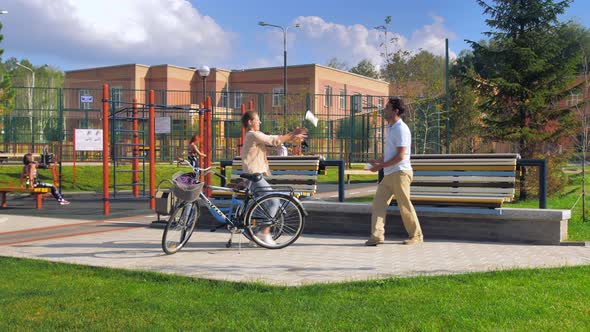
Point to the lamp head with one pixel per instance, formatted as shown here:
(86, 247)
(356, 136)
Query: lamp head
(297, 25)
(3, 11)
(262, 24)
(204, 71)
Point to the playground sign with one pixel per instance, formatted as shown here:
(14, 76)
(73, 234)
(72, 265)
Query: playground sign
(163, 125)
(85, 99)
(88, 139)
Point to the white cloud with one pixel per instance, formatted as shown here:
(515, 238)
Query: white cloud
(110, 32)
(353, 43)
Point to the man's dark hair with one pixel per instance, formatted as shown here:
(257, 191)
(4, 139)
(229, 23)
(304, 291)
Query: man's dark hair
(398, 104)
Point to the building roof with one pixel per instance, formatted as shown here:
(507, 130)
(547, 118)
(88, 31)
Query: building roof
(231, 70)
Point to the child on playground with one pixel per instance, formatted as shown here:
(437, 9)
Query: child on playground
(30, 174)
(193, 151)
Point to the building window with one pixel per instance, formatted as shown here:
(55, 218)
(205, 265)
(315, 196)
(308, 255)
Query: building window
(238, 99)
(116, 96)
(342, 99)
(277, 97)
(83, 97)
(224, 98)
(327, 96)
(369, 102)
(380, 103)
(356, 102)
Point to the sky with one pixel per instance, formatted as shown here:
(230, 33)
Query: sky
(77, 34)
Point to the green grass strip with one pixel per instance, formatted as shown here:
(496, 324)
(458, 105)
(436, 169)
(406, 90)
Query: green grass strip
(39, 295)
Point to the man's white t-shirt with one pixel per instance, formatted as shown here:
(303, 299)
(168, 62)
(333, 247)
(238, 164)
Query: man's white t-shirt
(398, 135)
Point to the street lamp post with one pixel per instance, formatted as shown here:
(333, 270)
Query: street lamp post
(204, 72)
(31, 98)
(284, 29)
(3, 133)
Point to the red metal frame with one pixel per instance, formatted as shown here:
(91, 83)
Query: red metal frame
(105, 148)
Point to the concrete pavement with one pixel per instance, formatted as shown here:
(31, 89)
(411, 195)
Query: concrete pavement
(128, 242)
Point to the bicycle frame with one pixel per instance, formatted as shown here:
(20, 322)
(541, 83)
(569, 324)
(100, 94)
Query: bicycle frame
(216, 211)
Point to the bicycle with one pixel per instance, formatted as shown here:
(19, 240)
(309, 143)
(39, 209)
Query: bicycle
(274, 208)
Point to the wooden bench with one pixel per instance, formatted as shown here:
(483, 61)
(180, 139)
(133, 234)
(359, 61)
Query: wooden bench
(38, 192)
(463, 182)
(297, 172)
(5, 156)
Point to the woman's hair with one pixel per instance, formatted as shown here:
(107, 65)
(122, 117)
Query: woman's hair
(194, 139)
(27, 158)
(249, 115)
(398, 104)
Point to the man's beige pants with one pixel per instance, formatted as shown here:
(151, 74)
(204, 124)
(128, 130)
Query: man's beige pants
(397, 184)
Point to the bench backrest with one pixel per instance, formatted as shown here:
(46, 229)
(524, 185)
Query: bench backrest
(464, 179)
(298, 172)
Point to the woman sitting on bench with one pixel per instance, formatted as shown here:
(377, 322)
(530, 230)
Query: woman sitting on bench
(30, 175)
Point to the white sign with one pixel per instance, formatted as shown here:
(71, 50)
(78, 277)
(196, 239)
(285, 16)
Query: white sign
(163, 125)
(88, 139)
(85, 99)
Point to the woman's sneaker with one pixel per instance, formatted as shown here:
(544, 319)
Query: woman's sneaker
(63, 202)
(267, 238)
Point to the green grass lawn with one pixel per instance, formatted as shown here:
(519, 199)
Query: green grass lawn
(89, 178)
(40, 295)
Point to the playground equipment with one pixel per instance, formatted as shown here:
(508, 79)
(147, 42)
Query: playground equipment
(130, 129)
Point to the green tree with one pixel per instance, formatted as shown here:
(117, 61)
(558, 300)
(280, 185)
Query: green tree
(6, 99)
(6, 92)
(419, 74)
(337, 64)
(465, 117)
(524, 68)
(365, 68)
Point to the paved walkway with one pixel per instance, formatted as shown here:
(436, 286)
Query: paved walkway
(129, 243)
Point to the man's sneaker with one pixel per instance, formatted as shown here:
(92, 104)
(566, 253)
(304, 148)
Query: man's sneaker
(414, 240)
(63, 202)
(373, 242)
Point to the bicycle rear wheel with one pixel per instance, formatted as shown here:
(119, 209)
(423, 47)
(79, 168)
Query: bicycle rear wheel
(277, 216)
(180, 227)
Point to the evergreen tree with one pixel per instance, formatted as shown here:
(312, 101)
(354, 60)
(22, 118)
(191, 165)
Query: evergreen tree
(523, 69)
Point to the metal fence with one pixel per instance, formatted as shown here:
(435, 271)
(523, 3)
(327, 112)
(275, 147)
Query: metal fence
(350, 127)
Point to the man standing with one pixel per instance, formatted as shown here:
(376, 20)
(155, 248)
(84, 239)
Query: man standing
(398, 176)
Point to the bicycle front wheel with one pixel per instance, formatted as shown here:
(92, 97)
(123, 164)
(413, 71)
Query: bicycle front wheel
(275, 221)
(180, 227)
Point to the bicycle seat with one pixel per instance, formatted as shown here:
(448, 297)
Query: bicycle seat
(254, 177)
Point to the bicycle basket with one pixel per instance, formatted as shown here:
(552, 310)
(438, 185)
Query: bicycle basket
(186, 186)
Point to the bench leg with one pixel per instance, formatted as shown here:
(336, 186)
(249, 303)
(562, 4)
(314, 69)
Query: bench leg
(39, 201)
(3, 199)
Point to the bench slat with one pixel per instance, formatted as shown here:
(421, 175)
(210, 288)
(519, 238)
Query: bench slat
(464, 161)
(283, 177)
(25, 190)
(281, 172)
(463, 179)
(487, 191)
(464, 173)
(463, 168)
(468, 156)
